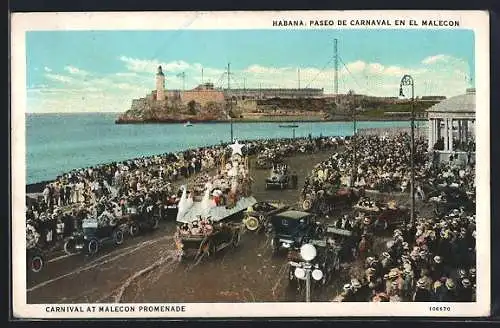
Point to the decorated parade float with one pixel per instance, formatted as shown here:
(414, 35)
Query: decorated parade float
(209, 216)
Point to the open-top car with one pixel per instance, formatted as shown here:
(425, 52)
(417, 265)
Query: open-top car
(382, 216)
(92, 236)
(206, 238)
(169, 208)
(446, 199)
(280, 177)
(142, 218)
(293, 228)
(326, 203)
(256, 216)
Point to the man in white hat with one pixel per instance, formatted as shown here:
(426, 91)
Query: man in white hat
(465, 291)
(422, 294)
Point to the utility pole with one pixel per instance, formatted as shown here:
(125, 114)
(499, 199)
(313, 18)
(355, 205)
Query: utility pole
(183, 76)
(336, 58)
(298, 74)
(407, 80)
(230, 99)
(202, 75)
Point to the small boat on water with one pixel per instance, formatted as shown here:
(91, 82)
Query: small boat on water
(188, 124)
(288, 126)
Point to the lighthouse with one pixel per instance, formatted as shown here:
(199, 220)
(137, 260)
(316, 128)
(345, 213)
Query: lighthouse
(160, 85)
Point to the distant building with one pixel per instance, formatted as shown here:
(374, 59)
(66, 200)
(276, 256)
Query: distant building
(266, 93)
(206, 92)
(452, 124)
(160, 85)
(432, 98)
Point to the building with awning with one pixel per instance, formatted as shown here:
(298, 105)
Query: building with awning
(451, 128)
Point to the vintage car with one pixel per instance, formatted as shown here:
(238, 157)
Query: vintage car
(325, 203)
(92, 236)
(280, 178)
(327, 260)
(382, 216)
(207, 240)
(445, 199)
(35, 260)
(293, 228)
(256, 217)
(170, 208)
(146, 218)
(343, 241)
(267, 161)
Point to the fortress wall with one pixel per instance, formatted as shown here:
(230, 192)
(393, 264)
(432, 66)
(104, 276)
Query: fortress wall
(202, 96)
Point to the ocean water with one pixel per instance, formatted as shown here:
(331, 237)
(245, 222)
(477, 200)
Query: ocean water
(58, 143)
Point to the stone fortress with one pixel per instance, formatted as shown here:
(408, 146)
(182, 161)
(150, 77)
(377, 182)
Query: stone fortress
(206, 92)
(206, 103)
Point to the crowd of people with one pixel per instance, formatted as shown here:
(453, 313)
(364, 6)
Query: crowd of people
(430, 261)
(139, 183)
(383, 164)
(373, 162)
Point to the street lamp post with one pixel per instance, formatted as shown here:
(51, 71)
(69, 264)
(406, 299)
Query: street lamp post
(231, 121)
(407, 80)
(304, 270)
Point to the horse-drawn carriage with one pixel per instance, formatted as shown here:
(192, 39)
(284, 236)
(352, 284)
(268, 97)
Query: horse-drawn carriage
(92, 236)
(257, 216)
(381, 216)
(325, 203)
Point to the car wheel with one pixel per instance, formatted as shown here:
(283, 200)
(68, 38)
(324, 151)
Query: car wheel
(36, 263)
(133, 230)
(70, 247)
(93, 246)
(291, 274)
(118, 237)
(252, 223)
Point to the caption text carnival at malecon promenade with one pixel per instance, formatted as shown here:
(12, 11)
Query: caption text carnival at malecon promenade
(332, 185)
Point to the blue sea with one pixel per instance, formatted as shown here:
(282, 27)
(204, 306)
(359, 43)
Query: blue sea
(58, 143)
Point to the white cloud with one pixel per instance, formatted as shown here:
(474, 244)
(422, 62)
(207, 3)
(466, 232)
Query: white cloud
(435, 59)
(47, 69)
(434, 75)
(59, 78)
(75, 70)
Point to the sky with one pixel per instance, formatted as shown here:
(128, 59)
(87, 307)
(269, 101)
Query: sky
(102, 71)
